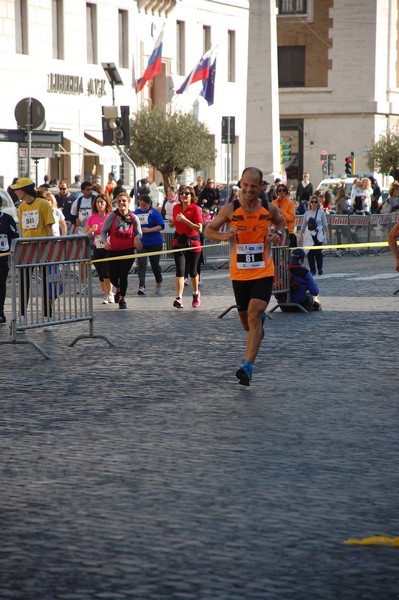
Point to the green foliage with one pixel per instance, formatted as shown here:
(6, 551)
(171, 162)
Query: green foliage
(383, 155)
(170, 142)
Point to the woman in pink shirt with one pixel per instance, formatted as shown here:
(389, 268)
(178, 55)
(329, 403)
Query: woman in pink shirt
(101, 206)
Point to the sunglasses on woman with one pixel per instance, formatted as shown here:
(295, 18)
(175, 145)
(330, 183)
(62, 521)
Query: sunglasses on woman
(184, 193)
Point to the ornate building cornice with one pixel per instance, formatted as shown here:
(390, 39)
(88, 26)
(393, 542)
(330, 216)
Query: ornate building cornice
(162, 7)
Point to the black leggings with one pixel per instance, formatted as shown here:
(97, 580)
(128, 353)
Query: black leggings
(3, 282)
(102, 268)
(119, 269)
(188, 258)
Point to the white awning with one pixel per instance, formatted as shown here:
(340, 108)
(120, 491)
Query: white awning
(107, 154)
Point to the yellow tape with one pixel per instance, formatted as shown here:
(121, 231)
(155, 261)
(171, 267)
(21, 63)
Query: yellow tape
(325, 247)
(374, 540)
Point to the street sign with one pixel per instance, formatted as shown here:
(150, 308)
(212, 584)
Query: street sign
(37, 152)
(37, 113)
(18, 136)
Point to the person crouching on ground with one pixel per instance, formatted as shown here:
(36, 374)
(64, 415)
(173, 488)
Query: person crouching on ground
(303, 288)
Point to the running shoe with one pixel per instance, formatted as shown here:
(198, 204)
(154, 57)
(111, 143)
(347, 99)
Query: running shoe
(186, 281)
(196, 300)
(117, 296)
(158, 290)
(178, 303)
(245, 373)
(2, 319)
(105, 299)
(110, 298)
(122, 304)
(141, 291)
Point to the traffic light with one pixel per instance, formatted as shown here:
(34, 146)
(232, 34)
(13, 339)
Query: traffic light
(116, 125)
(348, 165)
(286, 153)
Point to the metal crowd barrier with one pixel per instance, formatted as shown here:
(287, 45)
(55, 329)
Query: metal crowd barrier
(281, 283)
(46, 279)
(353, 229)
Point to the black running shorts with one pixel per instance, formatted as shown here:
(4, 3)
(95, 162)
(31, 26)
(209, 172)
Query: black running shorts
(244, 291)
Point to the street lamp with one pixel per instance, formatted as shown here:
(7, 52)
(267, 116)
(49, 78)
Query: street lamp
(113, 77)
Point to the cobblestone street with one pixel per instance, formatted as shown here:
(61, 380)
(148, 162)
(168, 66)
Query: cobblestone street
(146, 471)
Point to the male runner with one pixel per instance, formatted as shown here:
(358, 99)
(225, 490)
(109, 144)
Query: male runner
(251, 268)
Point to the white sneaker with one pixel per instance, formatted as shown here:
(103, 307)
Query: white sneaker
(186, 281)
(111, 299)
(105, 299)
(83, 291)
(200, 282)
(158, 290)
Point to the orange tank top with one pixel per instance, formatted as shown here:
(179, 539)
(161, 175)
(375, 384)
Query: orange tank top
(250, 251)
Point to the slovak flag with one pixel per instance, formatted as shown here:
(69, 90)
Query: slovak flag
(208, 85)
(154, 64)
(200, 72)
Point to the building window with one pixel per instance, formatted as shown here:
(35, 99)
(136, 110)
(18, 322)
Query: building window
(180, 48)
(21, 26)
(206, 35)
(58, 29)
(291, 66)
(292, 7)
(231, 58)
(123, 25)
(91, 32)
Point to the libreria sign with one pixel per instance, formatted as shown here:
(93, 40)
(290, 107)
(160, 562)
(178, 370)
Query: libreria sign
(73, 84)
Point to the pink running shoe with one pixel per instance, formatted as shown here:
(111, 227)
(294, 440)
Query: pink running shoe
(196, 300)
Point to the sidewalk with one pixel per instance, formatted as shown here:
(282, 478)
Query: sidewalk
(146, 471)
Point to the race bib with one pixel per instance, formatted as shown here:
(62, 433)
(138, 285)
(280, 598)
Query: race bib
(143, 218)
(84, 214)
(30, 219)
(250, 256)
(98, 241)
(4, 246)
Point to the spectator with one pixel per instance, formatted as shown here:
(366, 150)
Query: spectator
(152, 224)
(118, 189)
(187, 219)
(235, 190)
(210, 196)
(12, 193)
(111, 184)
(76, 183)
(376, 195)
(392, 202)
(167, 207)
(101, 207)
(314, 232)
(200, 186)
(272, 194)
(303, 288)
(8, 231)
(341, 208)
(124, 230)
(263, 192)
(287, 209)
(326, 202)
(143, 188)
(305, 189)
(65, 199)
(59, 225)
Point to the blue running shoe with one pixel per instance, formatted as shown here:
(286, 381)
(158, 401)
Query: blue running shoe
(263, 324)
(245, 373)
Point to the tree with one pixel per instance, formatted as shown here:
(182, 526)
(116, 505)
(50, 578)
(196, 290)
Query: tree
(383, 155)
(170, 142)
